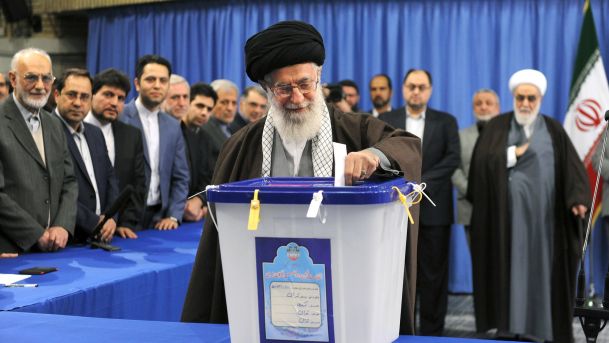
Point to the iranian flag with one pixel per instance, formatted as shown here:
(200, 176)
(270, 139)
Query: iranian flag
(588, 98)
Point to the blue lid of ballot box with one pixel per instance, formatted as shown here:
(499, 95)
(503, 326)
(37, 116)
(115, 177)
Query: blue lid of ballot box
(290, 190)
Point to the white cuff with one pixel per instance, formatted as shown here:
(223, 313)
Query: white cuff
(511, 156)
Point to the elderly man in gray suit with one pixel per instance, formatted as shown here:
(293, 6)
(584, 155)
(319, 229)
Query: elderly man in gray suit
(38, 189)
(486, 106)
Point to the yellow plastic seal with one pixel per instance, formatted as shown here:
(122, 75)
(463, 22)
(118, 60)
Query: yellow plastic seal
(254, 218)
(412, 198)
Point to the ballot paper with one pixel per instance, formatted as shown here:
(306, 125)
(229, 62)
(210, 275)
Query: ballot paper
(340, 154)
(7, 279)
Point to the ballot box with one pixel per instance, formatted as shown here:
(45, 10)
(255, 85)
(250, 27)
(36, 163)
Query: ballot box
(305, 261)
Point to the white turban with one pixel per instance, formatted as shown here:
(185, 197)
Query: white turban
(530, 76)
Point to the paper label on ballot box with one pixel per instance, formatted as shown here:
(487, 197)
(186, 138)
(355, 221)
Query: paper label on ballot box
(294, 289)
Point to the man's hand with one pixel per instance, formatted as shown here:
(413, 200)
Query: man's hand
(166, 224)
(194, 211)
(53, 239)
(7, 255)
(360, 165)
(520, 150)
(126, 232)
(579, 210)
(107, 231)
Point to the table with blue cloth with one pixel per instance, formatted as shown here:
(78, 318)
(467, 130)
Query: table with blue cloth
(145, 280)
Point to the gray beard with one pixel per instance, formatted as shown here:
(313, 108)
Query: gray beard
(523, 118)
(33, 103)
(298, 127)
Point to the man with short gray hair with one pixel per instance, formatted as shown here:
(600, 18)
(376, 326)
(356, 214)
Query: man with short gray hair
(178, 97)
(38, 189)
(252, 106)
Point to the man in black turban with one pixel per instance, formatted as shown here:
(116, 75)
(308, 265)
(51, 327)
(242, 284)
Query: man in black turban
(295, 139)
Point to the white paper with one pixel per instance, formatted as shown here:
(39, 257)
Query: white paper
(340, 154)
(7, 279)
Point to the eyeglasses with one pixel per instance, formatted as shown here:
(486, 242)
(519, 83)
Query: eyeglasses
(304, 87)
(531, 98)
(32, 79)
(422, 88)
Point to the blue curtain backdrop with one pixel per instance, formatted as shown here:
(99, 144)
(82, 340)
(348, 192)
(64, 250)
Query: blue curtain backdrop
(465, 44)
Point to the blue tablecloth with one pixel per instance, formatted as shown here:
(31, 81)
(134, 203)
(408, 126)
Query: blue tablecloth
(34, 327)
(146, 280)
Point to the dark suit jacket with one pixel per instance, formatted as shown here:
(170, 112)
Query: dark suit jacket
(441, 153)
(197, 146)
(216, 139)
(130, 169)
(86, 219)
(29, 189)
(173, 168)
(237, 123)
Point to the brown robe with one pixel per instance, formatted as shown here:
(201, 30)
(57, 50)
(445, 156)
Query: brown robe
(491, 227)
(241, 158)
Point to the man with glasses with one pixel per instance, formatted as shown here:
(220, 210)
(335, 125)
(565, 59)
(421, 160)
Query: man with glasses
(528, 188)
(295, 139)
(38, 189)
(440, 145)
(97, 185)
(3, 87)
(253, 105)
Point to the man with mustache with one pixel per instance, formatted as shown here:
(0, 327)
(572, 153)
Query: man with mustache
(124, 143)
(97, 187)
(38, 189)
(380, 94)
(528, 188)
(167, 172)
(295, 139)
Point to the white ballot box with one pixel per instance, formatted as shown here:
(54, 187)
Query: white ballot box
(312, 262)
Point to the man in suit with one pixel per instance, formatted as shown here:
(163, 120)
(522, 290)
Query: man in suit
(97, 188)
(486, 106)
(380, 94)
(166, 167)
(203, 99)
(38, 189)
(178, 97)
(253, 105)
(440, 149)
(224, 113)
(124, 143)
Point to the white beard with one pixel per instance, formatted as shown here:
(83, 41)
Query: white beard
(296, 128)
(31, 102)
(484, 117)
(525, 118)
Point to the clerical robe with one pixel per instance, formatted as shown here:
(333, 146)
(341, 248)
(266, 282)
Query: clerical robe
(494, 229)
(241, 158)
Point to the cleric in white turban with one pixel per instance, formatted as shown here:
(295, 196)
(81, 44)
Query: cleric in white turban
(527, 186)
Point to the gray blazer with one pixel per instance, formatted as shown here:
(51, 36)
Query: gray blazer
(596, 159)
(29, 190)
(468, 138)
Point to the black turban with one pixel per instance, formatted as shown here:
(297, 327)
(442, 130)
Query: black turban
(280, 45)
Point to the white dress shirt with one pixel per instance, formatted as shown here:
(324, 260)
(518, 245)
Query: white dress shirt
(85, 154)
(376, 113)
(415, 125)
(106, 129)
(150, 122)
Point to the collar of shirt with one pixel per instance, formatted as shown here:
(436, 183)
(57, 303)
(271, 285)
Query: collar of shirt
(24, 111)
(413, 117)
(376, 113)
(143, 111)
(91, 119)
(81, 127)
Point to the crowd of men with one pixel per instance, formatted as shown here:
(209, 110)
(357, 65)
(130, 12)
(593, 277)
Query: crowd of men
(520, 185)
